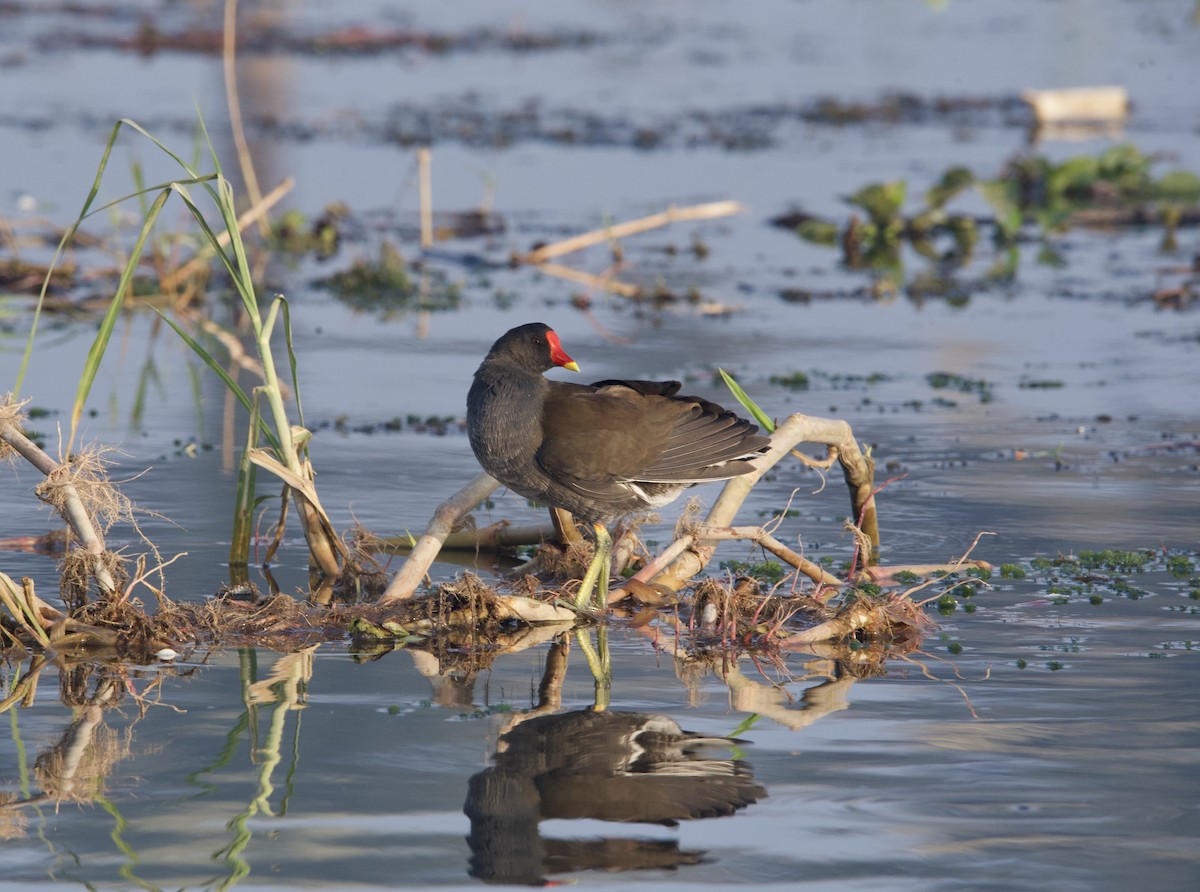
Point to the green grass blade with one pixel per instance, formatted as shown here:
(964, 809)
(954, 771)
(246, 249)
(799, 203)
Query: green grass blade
(243, 280)
(211, 361)
(210, 236)
(68, 236)
(91, 364)
(764, 421)
(85, 212)
(244, 502)
(287, 334)
(134, 125)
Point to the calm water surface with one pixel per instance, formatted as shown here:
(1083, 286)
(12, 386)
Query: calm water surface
(1047, 739)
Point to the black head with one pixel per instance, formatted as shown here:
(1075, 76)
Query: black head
(534, 347)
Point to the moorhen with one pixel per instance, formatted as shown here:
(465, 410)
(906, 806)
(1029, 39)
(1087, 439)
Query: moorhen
(601, 450)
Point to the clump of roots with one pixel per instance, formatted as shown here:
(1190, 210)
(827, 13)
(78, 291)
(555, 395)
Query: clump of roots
(741, 615)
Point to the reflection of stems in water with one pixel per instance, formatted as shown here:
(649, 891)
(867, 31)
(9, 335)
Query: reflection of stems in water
(286, 687)
(223, 757)
(600, 664)
(22, 762)
(120, 825)
(24, 689)
(247, 675)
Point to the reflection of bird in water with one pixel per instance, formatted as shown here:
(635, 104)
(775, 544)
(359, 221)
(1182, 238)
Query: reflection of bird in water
(611, 766)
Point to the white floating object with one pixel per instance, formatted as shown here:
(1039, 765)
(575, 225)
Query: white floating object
(1093, 104)
(166, 654)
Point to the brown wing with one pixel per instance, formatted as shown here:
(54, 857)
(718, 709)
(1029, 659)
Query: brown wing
(637, 431)
(599, 438)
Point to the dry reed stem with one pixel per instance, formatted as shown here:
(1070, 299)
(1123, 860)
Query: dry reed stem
(760, 536)
(540, 257)
(501, 534)
(1094, 104)
(954, 568)
(325, 547)
(425, 187)
(27, 609)
(602, 282)
(229, 67)
(605, 234)
(879, 575)
(447, 515)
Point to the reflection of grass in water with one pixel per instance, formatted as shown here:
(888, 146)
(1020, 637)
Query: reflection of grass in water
(285, 688)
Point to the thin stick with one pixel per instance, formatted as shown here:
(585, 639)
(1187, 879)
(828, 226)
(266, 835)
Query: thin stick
(880, 574)
(604, 282)
(761, 537)
(424, 178)
(497, 535)
(632, 227)
(229, 59)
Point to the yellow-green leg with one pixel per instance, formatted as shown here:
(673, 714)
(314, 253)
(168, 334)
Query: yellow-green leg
(596, 578)
(600, 663)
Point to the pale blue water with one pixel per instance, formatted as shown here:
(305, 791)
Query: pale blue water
(1055, 749)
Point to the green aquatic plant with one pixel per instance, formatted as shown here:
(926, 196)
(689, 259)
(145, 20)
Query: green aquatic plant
(795, 381)
(1114, 560)
(386, 286)
(950, 381)
(767, 572)
(285, 450)
(1180, 566)
(1116, 187)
